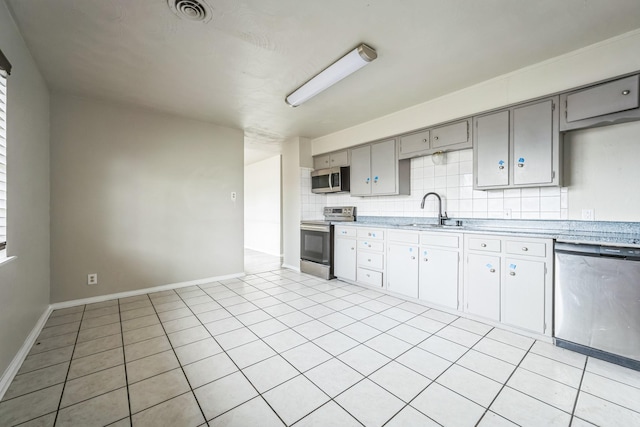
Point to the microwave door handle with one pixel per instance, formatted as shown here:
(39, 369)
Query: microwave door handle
(331, 181)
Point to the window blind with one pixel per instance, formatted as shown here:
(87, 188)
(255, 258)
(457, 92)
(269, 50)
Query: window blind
(3, 160)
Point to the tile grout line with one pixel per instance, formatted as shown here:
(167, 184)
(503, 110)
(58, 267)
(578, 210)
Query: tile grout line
(180, 364)
(124, 359)
(238, 370)
(505, 385)
(575, 402)
(64, 385)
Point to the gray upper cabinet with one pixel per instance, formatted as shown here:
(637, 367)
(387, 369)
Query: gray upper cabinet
(376, 171)
(330, 160)
(604, 104)
(361, 171)
(534, 134)
(491, 150)
(447, 137)
(518, 147)
(452, 136)
(414, 144)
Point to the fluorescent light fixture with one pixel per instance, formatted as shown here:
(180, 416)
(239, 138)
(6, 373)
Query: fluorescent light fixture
(350, 63)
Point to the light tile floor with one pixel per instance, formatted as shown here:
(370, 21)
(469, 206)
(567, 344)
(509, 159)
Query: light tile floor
(283, 348)
(260, 262)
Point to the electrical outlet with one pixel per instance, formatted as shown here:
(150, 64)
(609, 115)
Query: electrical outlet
(233, 196)
(588, 215)
(92, 279)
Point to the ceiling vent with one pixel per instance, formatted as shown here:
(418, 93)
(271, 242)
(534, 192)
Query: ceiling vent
(192, 10)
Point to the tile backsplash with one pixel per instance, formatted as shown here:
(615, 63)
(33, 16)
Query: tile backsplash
(453, 181)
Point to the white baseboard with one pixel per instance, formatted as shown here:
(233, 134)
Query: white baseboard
(101, 298)
(291, 267)
(16, 363)
(14, 366)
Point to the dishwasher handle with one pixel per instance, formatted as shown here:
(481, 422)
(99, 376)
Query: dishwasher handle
(631, 254)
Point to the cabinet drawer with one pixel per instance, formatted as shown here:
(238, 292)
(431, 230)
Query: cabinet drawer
(489, 245)
(526, 248)
(607, 98)
(346, 232)
(438, 240)
(369, 277)
(370, 234)
(414, 143)
(396, 236)
(455, 133)
(371, 245)
(370, 260)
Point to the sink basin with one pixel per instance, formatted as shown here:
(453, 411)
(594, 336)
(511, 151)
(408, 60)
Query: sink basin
(418, 225)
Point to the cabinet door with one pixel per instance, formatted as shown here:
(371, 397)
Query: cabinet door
(448, 135)
(438, 279)
(339, 158)
(361, 171)
(533, 143)
(482, 290)
(607, 98)
(384, 168)
(321, 162)
(523, 294)
(344, 259)
(402, 270)
(491, 149)
(414, 143)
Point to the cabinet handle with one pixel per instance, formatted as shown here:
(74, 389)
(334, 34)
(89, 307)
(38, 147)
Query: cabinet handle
(369, 245)
(353, 249)
(626, 92)
(493, 270)
(424, 140)
(512, 273)
(426, 259)
(413, 257)
(500, 167)
(484, 245)
(369, 260)
(520, 165)
(525, 249)
(436, 138)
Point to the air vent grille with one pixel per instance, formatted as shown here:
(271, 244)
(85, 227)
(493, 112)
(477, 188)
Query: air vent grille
(192, 10)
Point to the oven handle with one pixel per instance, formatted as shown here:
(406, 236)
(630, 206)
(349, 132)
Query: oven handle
(311, 227)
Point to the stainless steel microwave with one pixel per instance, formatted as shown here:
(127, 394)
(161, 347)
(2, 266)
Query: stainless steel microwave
(331, 180)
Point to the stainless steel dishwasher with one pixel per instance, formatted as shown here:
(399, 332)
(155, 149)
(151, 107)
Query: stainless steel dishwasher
(597, 301)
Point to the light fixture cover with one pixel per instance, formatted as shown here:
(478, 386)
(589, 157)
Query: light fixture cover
(348, 64)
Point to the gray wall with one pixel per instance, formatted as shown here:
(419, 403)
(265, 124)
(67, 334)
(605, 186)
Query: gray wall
(141, 198)
(24, 282)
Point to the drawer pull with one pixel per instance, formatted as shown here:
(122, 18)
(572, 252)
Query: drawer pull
(424, 140)
(369, 245)
(413, 257)
(484, 245)
(436, 138)
(500, 167)
(626, 92)
(493, 270)
(369, 260)
(353, 249)
(525, 249)
(426, 259)
(512, 273)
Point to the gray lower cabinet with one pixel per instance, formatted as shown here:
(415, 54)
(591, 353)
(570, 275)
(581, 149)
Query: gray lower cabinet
(345, 259)
(518, 147)
(446, 137)
(603, 104)
(376, 171)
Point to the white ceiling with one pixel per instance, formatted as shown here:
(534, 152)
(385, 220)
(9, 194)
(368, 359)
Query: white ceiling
(236, 69)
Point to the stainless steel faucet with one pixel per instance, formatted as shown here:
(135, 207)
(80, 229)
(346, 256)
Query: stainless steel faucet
(441, 218)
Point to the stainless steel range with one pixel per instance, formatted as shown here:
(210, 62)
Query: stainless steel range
(316, 241)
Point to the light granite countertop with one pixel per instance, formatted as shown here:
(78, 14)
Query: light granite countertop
(590, 232)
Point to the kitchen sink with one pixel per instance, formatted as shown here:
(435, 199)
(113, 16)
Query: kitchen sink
(419, 225)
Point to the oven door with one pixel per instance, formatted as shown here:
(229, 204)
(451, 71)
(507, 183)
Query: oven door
(315, 243)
